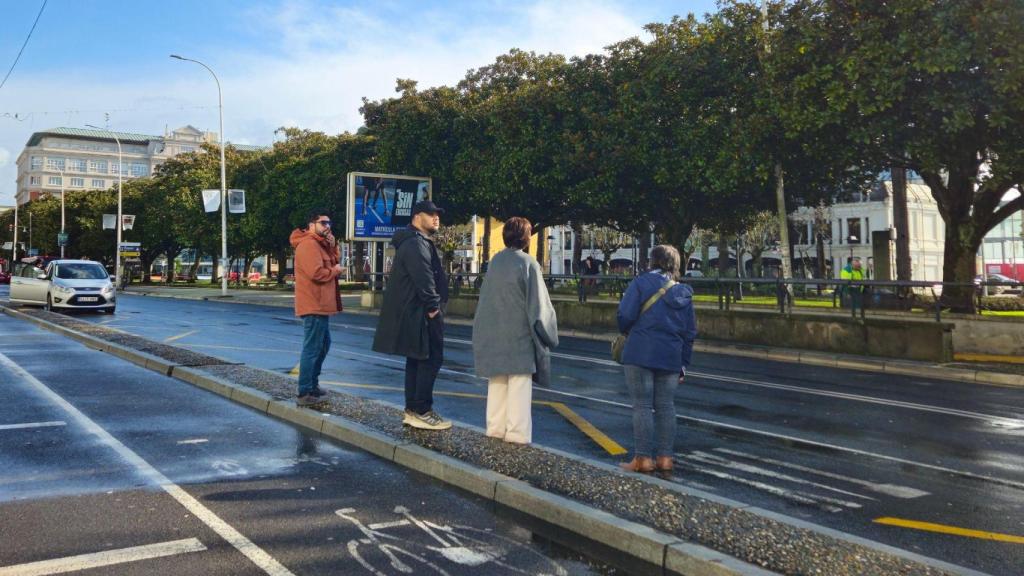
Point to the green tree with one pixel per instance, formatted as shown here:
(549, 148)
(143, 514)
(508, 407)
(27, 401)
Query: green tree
(936, 87)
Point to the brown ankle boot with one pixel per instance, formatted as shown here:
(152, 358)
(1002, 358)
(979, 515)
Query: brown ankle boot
(641, 464)
(663, 464)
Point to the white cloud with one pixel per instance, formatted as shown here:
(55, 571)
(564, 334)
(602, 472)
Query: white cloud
(313, 67)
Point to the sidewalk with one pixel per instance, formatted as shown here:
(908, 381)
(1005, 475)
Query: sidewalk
(671, 527)
(991, 373)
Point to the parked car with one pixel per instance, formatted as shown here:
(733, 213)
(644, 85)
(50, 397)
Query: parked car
(5, 277)
(64, 285)
(1009, 285)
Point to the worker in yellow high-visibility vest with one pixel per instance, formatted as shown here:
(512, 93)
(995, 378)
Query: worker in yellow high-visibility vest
(853, 272)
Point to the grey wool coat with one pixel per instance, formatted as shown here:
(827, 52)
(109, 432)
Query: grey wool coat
(515, 327)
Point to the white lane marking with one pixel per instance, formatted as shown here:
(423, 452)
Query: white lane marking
(797, 497)
(894, 490)
(995, 420)
(253, 552)
(107, 558)
(193, 441)
(750, 469)
(33, 425)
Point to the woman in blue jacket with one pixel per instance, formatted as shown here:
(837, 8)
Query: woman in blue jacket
(656, 355)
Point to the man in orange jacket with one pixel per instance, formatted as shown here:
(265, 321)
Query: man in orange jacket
(316, 298)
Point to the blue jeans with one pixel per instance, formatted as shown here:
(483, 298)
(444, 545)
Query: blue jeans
(316, 341)
(654, 410)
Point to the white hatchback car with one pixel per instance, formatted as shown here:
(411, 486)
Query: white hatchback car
(65, 285)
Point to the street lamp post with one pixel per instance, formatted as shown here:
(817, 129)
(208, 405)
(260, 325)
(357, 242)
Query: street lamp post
(118, 226)
(223, 183)
(62, 210)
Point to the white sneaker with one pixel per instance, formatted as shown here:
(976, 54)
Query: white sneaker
(429, 421)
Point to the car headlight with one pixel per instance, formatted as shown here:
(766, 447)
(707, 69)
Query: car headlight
(108, 289)
(63, 289)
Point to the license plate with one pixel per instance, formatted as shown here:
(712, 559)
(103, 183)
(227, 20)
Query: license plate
(88, 299)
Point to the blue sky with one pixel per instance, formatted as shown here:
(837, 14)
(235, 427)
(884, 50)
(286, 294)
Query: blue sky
(303, 63)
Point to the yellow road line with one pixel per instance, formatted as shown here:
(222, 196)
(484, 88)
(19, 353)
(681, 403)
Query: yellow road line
(600, 438)
(943, 529)
(965, 357)
(295, 371)
(180, 336)
(589, 429)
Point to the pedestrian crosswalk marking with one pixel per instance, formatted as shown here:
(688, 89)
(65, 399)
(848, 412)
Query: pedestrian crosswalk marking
(741, 467)
(795, 496)
(894, 490)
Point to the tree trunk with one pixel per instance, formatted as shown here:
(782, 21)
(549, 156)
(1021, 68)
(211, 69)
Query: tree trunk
(577, 247)
(959, 265)
(486, 257)
(819, 254)
(357, 262)
(723, 256)
(282, 261)
(644, 250)
(542, 241)
(901, 221)
(784, 246)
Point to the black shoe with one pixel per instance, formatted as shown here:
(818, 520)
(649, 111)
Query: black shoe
(318, 392)
(307, 400)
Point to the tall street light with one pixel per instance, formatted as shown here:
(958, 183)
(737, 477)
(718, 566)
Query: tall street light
(223, 183)
(120, 171)
(62, 208)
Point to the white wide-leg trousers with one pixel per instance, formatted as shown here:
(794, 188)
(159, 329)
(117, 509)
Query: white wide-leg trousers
(508, 408)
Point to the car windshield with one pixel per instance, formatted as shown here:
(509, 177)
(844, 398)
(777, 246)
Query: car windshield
(81, 272)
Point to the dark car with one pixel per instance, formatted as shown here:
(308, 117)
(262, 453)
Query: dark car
(1007, 285)
(5, 277)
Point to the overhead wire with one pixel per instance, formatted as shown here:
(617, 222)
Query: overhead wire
(27, 38)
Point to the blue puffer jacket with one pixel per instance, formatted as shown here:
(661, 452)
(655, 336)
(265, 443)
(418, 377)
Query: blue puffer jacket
(661, 338)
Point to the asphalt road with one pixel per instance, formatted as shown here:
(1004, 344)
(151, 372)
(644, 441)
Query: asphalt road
(840, 448)
(106, 465)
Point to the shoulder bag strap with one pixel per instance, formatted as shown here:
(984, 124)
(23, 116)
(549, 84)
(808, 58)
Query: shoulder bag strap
(657, 296)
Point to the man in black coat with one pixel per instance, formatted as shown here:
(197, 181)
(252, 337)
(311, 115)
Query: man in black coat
(411, 322)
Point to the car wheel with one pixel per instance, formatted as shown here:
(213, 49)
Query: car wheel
(111, 310)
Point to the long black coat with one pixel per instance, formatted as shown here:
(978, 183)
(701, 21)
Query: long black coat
(417, 286)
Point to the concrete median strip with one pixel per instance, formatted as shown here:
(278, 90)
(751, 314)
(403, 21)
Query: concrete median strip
(673, 528)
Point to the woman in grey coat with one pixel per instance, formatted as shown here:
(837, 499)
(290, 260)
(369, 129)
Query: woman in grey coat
(513, 332)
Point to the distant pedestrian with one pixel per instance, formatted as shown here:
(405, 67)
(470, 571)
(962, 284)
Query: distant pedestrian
(316, 298)
(658, 315)
(852, 272)
(411, 321)
(513, 332)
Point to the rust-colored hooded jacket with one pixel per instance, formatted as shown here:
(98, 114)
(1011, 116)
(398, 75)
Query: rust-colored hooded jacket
(316, 286)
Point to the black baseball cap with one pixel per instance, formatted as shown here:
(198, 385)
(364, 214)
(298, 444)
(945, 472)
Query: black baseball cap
(428, 207)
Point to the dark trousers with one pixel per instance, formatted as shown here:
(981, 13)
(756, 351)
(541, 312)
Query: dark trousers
(420, 374)
(316, 342)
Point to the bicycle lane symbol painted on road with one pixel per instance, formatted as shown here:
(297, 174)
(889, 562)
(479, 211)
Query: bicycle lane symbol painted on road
(427, 547)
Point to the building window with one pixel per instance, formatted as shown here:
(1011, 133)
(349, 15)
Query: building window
(78, 182)
(139, 169)
(99, 183)
(77, 165)
(55, 164)
(98, 166)
(37, 162)
(114, 166)
(54, 181)
(853, 235)
(186, 149)
(33, 180)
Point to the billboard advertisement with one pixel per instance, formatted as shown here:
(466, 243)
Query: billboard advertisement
(380, 204)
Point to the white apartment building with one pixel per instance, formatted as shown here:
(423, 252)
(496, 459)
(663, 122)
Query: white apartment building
(852, 224)
(849, 234)
(85, 159)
